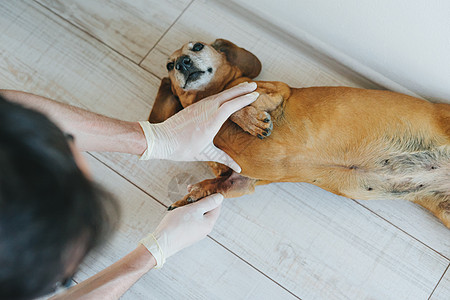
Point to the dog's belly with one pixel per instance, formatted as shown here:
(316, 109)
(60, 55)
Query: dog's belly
(358, 143)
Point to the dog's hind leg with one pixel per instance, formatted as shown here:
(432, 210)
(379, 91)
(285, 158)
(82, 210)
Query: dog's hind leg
(444, 118)
(229, 185)
(439, 205)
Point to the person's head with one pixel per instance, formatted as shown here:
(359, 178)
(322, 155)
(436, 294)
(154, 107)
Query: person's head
(51, 214)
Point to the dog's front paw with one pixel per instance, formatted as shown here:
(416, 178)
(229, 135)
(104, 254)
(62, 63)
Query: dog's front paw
(256, 122)
(195, 193)
(186, 200)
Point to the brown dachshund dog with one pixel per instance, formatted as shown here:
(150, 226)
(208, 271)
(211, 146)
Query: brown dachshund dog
(361, 144)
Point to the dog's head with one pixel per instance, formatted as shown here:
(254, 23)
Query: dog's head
(198, 70)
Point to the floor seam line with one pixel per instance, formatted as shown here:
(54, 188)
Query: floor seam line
(96, 38)
(253, 267)
(126, 179)
(440, 279)
(165, 32)
(400, 229)
(393, 225)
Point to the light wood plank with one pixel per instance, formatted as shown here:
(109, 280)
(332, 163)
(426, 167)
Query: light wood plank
(442, 291)
(416, 221)
(131, 27)
(203, 271)
(43, 54)
(323, 247)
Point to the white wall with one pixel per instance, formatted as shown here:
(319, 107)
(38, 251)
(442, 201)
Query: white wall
(403, 45)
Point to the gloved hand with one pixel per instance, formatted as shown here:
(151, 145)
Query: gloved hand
(189, 134)
(183, 227)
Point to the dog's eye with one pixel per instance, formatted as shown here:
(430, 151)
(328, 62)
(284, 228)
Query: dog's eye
(169, 66)
(197, 47)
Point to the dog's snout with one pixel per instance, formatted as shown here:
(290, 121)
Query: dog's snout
(183, 63)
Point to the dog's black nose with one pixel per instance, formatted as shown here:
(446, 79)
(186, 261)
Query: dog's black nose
(183, 63)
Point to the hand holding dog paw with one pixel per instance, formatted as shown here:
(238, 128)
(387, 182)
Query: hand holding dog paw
(183, 227)
(189, 134)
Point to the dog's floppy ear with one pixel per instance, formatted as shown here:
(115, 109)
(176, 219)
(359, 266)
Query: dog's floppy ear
(166, 103)
(248, 63)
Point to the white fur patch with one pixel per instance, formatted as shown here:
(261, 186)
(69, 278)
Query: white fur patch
(202, 60)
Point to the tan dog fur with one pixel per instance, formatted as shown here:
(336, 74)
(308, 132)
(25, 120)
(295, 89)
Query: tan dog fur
(362, 144)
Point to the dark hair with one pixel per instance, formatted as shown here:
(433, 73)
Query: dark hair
(48, 208)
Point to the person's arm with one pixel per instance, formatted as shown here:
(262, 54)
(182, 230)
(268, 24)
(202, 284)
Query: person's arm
(178, 229)
(114, 281)
(186, 136)
(92, 132)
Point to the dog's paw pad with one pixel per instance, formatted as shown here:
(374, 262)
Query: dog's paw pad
(262, 126)
(256, 122)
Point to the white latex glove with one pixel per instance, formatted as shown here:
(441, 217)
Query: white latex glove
(183, 227)
(189, 134)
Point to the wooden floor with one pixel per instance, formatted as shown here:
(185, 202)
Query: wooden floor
(286, 241)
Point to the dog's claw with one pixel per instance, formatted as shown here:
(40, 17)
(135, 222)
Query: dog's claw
(260, 137)
(171, 208)
(266, 120)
